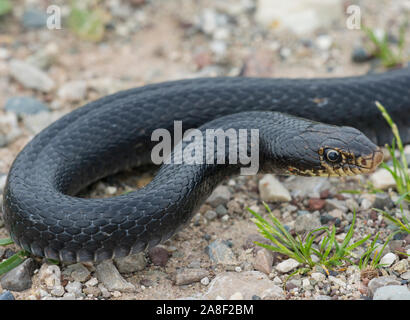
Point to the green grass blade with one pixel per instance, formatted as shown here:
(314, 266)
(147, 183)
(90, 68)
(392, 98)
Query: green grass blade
(6, 242)
(12, 262)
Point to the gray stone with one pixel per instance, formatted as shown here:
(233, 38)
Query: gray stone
(159, 256)
(220, 253)
(50, 276)
(210, 215)
(377, 283)
(77, 271)
(220, 195)
(33, 18)
(293, 284)
(271, 189)
(332, 204)
(263, 261)
(248, 283)
(109, 276)
(188, 276)
(30, 76)
(306, 223)
(400, 266)
(360, 54)
(68, 296)
(273, 293)
(221, 210)
(19, 278)
(58, 291)
(25, 105)
(382, 201)
(132, 263)
(6, 295)
(92, 282)
(322, 297)
(287, 265)
(319, 277)
(392, 293)
(75, 288)
(93, 291)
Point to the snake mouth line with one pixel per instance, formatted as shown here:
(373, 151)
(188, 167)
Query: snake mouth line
(350, 167)
(362, 165)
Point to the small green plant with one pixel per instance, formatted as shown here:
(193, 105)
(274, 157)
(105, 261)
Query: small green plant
(5, 7)
(14, 260)
(330, 253)
(389, 57)
(402, 224)
(87, 20)
(399, 171)
(371, 258)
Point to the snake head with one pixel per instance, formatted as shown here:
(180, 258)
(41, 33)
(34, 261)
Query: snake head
(334, 151)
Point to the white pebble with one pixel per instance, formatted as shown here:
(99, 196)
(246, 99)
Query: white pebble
(324, 42)
(205, 281)
(92, 282)
(116, 294)
(319, 277)
(74, 287)
(271, 189)
(388, 259)
(382, 179)
(57, 291)
(287, 265)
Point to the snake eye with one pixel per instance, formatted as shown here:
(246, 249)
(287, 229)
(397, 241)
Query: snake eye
(332, 155)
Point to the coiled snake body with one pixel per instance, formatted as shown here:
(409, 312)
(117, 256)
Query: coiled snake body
(44, 217)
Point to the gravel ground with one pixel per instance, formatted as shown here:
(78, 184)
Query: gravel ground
(47, 73)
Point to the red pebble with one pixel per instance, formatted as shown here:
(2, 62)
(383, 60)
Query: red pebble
(316, 204)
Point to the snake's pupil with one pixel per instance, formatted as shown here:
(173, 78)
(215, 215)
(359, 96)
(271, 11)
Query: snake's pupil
(333, 155)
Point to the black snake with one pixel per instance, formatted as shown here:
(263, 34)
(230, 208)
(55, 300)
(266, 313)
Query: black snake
(44, 216)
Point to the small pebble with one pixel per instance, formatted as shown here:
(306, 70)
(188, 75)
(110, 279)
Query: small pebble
(30, 76)
(360, 55)
(220, 196)
(6, 295)
(25, 105)
(271, 189)
(34, 18)
(188, 276)
(159, 256)
(392, 292)
(287, 265)
(220, 253)
(388, 259)
(210, 215)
